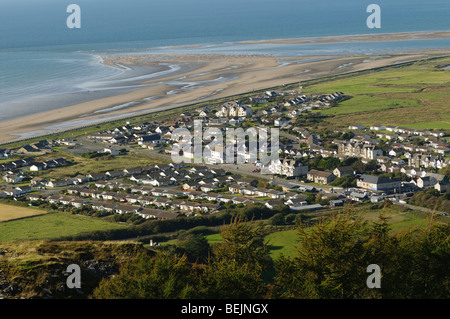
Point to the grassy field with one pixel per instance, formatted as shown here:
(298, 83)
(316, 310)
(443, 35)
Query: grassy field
(394, 96)
(51, 225)
(282, 242)
(8, 212)
(86, 166)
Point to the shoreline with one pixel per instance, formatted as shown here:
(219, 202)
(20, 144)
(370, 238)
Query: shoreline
(204, 77)
(369, 37)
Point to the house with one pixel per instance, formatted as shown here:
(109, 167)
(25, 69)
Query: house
(60, 183)
(37, 167)
(337, 202)
(247, 181)
(156, 213)
(320, 177)
(356, 127)
(311, 208)
(274, 203)
(426, 182)
(112, 151)
(288, 167)
(13, 178)
(359, 197)
(294, 202)
(377, 127)
(378, 183)
(442, 186)
(151, 139)
(343, 170)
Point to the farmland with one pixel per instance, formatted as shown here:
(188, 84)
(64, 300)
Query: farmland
(8, 212)
(393, 96)
(51, 225)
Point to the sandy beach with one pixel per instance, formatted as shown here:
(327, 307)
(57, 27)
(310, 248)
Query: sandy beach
(210, 76)
(361, 37)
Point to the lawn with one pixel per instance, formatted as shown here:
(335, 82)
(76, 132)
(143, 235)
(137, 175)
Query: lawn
(9, 212)
(52, 225)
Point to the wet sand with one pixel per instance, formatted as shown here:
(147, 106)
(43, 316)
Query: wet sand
(210, 76)
(360, 37)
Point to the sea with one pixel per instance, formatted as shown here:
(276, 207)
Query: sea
(45, 65)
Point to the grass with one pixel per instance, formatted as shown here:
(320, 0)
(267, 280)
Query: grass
(393, 96)
(9, 212)
(52, 225)
(282, 243)
(86, 166)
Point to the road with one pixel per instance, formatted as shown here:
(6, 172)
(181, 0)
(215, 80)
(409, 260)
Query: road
(422, 209)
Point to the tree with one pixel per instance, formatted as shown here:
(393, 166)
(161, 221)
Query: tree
(196, 247)
(329, 264)
(236, 267)
(147, 277)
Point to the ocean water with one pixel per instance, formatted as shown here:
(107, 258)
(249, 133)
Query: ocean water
(41, 59)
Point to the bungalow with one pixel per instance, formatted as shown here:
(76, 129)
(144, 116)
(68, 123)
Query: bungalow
(114, 174)
(13, 178)
(162, 202)
(337, 202)
(235, 189)
(208, 187)
(132, 171)
(78, 203)
(157, 214)
(376, 127)
(249, 191)
(358, 197)
(313, 207)
(32, 198)
(23, 190)
(294, 202)
(60, 183)
(247, 181)
(151, 139)
(356, 127)
(274, 194)
(103, 206)
(97, 176)
(123, 209)
(242, 200)
(37, 167)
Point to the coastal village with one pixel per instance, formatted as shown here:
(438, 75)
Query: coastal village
(314, 170)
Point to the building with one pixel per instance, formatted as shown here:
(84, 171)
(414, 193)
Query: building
(344, 170)
(288, 167)
(349, 149)
(320, 177)
(378, 183)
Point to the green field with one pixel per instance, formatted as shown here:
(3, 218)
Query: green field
(414, 96)
(52, 225)
(86, 166)
(282, 242)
